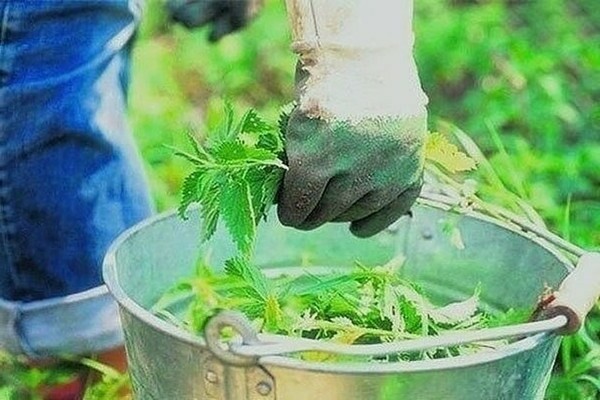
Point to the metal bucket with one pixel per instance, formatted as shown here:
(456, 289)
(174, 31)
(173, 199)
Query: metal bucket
(510, 266)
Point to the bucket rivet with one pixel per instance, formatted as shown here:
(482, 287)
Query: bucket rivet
(263, 388)
(211, 377)
(427, 234)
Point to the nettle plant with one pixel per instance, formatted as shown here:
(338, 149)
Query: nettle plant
(236, 173)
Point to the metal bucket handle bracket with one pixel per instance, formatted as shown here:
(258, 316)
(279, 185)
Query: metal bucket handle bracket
(576, 295)
(240, 324)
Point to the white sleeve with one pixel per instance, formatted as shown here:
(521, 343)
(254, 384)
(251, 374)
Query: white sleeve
(359, 57)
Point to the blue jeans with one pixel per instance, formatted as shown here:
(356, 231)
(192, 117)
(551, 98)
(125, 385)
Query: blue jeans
(71, 179)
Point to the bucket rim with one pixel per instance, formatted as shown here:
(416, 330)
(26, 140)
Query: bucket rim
(109, 272)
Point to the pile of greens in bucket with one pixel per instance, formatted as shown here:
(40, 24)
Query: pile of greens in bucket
(236, 175)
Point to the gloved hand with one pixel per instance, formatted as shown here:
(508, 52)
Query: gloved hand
(355, 142)
(226, 16)
(368, 173)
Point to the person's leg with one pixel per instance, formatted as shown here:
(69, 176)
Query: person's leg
(70, 177)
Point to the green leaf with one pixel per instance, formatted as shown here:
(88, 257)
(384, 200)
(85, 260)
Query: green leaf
(176, 294)
(242, 155)
(271, 142)
(273, 314)
(510, 317)
(249, 273)
(256, 184)
(230, 151)
(187, 156)
(252, 123)
(191, 191)
(199, 150)
(414, 319)
(314, 284)
(284, 118)
(254, 292)
(390, 308)
(233, 175)
(264, 184)
(271, 185)
(225, 130)
(210, 210)
(202, 186)
(236, 207)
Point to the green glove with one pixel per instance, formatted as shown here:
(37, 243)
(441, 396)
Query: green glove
(368, 173)
(225, 16)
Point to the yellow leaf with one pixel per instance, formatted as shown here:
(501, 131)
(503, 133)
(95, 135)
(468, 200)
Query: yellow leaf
(439, 150)
(317, 356)
(344, 337)
(273, 314)
(347, 337)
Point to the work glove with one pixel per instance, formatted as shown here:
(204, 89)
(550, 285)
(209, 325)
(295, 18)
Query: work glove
(225, 16)
(355, 141)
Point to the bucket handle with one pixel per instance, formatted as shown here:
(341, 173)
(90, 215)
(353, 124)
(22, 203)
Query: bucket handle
(249, 352)
(563, 314)
(241, 326)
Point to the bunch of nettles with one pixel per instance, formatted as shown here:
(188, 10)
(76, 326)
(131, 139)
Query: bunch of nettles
(236, 175)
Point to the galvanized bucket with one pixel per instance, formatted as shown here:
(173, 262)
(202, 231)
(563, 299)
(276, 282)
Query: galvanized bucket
(512, 268)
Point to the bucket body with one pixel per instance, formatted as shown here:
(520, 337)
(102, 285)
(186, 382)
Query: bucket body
(447, 254)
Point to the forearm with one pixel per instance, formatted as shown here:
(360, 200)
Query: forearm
(358, 57)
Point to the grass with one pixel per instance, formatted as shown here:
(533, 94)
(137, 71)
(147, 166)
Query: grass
(18, 381)
(521, 77)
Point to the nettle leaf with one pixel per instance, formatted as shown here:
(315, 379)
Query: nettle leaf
(418, 305)
(230, 151)
(271, 185)
(274, 139)
(225, 131)
(191, 191)
(271, 142)
(240, 267)
(389, 308)
(210, 210)
(202, 186)
(256, 184)
(237, 210)
(234, 174)
(273, 316)
(413, 318)
(176, 294)
(511, 317)
(264, 184)
(284, 118)
(242, 155)
(199, 151)
(187, 156)
(252, 123)
(439, 150)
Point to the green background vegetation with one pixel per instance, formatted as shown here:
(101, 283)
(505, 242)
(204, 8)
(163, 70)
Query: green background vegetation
(521, 77)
